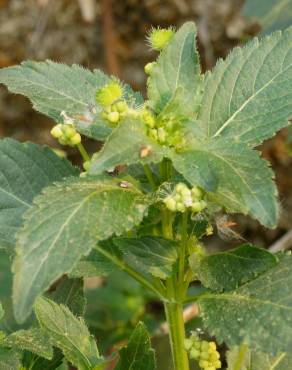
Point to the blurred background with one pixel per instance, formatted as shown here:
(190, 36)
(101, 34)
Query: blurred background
(110, 34)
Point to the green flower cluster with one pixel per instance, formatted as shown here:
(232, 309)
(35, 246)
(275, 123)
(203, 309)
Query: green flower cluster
(165, 131)
(66, 134)
(110, 98)
(184, 198)
(204, 352)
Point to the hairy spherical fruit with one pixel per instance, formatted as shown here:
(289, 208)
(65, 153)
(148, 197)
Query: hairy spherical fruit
(108, 94)
(159, 38)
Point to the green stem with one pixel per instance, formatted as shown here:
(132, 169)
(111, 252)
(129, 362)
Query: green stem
(183, 248)
(130, 271)
(83, 152)
(174, 317)
(149, 175)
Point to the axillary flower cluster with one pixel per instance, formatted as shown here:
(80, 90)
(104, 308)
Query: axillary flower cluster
(66, 134)
(183, 198)
(204, 352)
(110, 97)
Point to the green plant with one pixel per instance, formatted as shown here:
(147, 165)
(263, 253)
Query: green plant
(188, 152)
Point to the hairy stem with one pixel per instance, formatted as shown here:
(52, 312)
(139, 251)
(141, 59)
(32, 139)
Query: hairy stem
(174, 317)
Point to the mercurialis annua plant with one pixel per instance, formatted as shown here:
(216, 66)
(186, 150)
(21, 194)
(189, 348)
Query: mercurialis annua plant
(170, 165)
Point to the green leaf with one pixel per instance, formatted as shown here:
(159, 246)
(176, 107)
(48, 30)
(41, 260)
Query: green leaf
(65, 223)
(9, 359)
(33, 340)
(25, 169)
(150, 254)
(178, 67)
(248, 97)
(258, 313)
(272, 14)
(95, 264)
(54, 88)
(242, 358)
(124, 147)
(227, 270)
(1, 311)
(68, 333)
(234, 176)
(70, 293)
(138, 355)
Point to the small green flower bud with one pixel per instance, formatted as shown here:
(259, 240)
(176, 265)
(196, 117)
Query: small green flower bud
(197, 192)
(113, 117)
(159, 38)
(170, 204)
(212, 346)
(63, 141)
(204, 355)
(214, 356)
(153, 134)
(180, 207)
(209, 230)
(75, 140)
(210, 368)
(194, 354)
(185, 192)
(69, 131)
(148, 119)
(56, 131)
(178, 197)
(149, 68)
(204, 364)
(108, 94)
(180, 187)
(121, 106)
(198, 206)
(161, 134)
(188, 201)
(218, 364)
(188, 343)
(204, 345)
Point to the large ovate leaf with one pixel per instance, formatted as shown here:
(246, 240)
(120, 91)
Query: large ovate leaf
(25, 169)
(272, 14)
(33, 340)
(9, 359)
(64, 224)
(177, 67)
(234, 176)
(258, 313)
(227, 270)
(242, 358)
(248, 97)
(138, 355)
(150, 254)
(68, 333)
(54, 88)
(126, 146)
